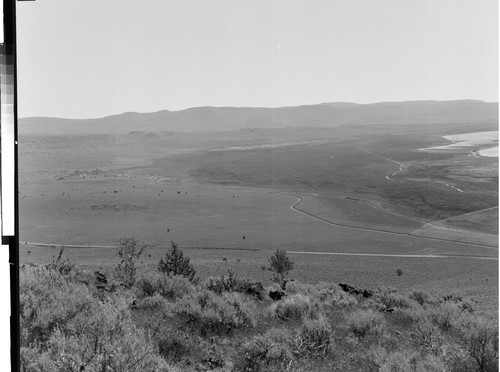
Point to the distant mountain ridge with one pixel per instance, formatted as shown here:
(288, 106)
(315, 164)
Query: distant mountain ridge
(213, 119)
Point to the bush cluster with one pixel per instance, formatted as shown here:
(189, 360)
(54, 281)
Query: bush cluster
(171, 288)
(209, 313)
(163, 319)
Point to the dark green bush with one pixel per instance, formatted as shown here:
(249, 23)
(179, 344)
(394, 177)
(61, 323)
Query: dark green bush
(175, 264)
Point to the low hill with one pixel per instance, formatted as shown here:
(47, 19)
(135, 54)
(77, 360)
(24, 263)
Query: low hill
(214, 119)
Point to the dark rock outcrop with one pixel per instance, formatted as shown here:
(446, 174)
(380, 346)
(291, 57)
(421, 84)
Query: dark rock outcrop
(255, 289)
(366, 293)
(276, 295)
(100, 280)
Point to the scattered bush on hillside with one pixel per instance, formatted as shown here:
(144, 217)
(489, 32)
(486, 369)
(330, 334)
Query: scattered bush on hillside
(330, 294)
(427, 335)
(399, 272)
(479, 337)
(280, 264)
(364, 322)
(155, 302)
(64, 267)
(128, 249)
(171, 288)
(445, 315)
(422, 297)
(313, 338)
(209, 313)
(175, 346)
(295, 307)
(48, 301)
(271, 351)
(223, 282)
(407, 360)
(65, 328)
(175, 263)
(105, 339)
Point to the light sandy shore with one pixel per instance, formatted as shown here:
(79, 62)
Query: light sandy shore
(475, 140)
(491, 152)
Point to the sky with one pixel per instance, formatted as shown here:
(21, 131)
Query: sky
(93, 58)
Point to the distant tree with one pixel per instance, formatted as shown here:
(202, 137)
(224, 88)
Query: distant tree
(280, 264)
(399, 272)
(128, 249)
(175, 263)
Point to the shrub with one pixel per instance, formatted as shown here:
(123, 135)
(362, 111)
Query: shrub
(212, 314)
(271, 350)
(479, 337)
(445, 315)
(48, 301)
(427, 335)
(280, 264)
(128, 249)
(105, 339)
(63, 267)
(174, 346)
(172, 288)
(175, 263)
(65, 329)
(399, 272)
(223, 283)
(330, 294)
(314, 337)
(391, 299)
(421, 297)
(406, 360)
(295, 307)
(364, 322)
(155, 302)
(212, 358)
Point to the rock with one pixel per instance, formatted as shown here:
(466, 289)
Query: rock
(349, 289)
(100, 280)
(367, 293)
(276, 295)
(255, 289)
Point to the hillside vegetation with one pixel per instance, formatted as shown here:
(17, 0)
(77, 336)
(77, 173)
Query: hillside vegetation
(170, 320)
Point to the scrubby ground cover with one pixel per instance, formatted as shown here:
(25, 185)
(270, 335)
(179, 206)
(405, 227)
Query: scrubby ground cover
(165, 322)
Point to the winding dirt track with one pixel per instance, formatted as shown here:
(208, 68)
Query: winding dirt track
(324, 220)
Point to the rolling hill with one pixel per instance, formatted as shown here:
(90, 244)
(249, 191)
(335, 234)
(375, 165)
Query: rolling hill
(326, 115)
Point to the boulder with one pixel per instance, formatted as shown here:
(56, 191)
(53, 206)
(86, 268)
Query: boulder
(276, 295)
(349, 289)
(255, 289)
(100, 280)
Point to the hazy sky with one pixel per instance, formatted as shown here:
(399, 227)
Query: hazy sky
(91, 58)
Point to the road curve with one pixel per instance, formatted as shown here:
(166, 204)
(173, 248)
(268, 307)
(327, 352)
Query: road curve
(380, 231)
